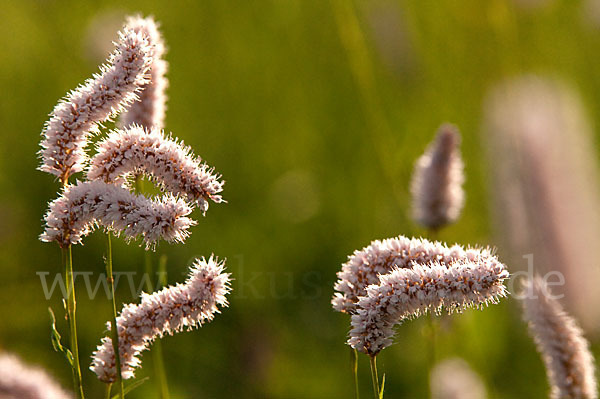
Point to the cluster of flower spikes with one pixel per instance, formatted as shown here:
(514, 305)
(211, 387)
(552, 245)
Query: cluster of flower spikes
(131, 84)
(398, 278)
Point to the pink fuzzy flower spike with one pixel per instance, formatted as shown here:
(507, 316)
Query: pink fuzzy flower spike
(381, 257)
(407, 293)
(21, 381)
(149, 110)
(135, 150)
(100, 98)
(86, 205)
(167, 311)
(566, 353)
(436, 186)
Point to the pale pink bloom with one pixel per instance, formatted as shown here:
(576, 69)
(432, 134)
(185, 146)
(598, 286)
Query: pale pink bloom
(380, 257)
(547, 184)
(167, 311)
(21, 381)
(149, 110)
(436, 185)
(454, 379)
(135, 150)
(410, 292)
(100, 98)
(85, 205)
(566, 353)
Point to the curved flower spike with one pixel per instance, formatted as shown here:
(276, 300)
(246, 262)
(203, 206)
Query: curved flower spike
(566, 353)
(85, 205)
(364, 267)
(149, 110)
(406, 293)
(169, 163)
(167, 311)
(76, 117)
(18, 380)
(436, 186)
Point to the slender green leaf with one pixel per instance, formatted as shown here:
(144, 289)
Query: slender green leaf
(55, 338)
(131, 387)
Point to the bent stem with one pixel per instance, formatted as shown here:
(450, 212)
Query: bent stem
(67, 255)
(108, 387)
(374, 376)
(114, 329)
(354, 367)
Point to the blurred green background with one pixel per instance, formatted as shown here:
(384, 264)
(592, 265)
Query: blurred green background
(314, 112)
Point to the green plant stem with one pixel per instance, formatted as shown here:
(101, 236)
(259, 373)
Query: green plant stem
(157, 356)
(374, 376)
(354, 367)
(108, 388)
(157, 352)
(71, 316)
(114, 329)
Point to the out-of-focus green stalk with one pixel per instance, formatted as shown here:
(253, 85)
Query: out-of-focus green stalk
(114, 329)
(374, 376)
(157, 353)
(71, 310)
(354, 367)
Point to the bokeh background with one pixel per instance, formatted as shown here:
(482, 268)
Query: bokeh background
(314, 112)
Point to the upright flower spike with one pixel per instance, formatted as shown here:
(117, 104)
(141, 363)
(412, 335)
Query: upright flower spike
(380, 257)
(167, 311)
(149, 110)
(20, 381)
(546, 184)
(436, 185)
(566, 354)
(85, 205)
(100, 98)
(407, 293)
(135, 150)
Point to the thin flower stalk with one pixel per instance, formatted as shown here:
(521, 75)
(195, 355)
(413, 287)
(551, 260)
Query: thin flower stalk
(85, 205)
(99, 99)
(149, 110)
(565, 352)
(167, 311)
(115, 338)
(21, 381)
(410, 292)
(436, 187)
(67, 256)
(381, 257)
(134, 151)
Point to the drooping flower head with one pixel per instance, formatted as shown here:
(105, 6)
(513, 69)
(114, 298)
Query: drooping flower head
(85, 205)
(410, 292)
(100, 98)
(135, 150)
(149, 110)
(380, 257)
(167, 311)
(566, 353)
(436, 185)
(20, 381)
